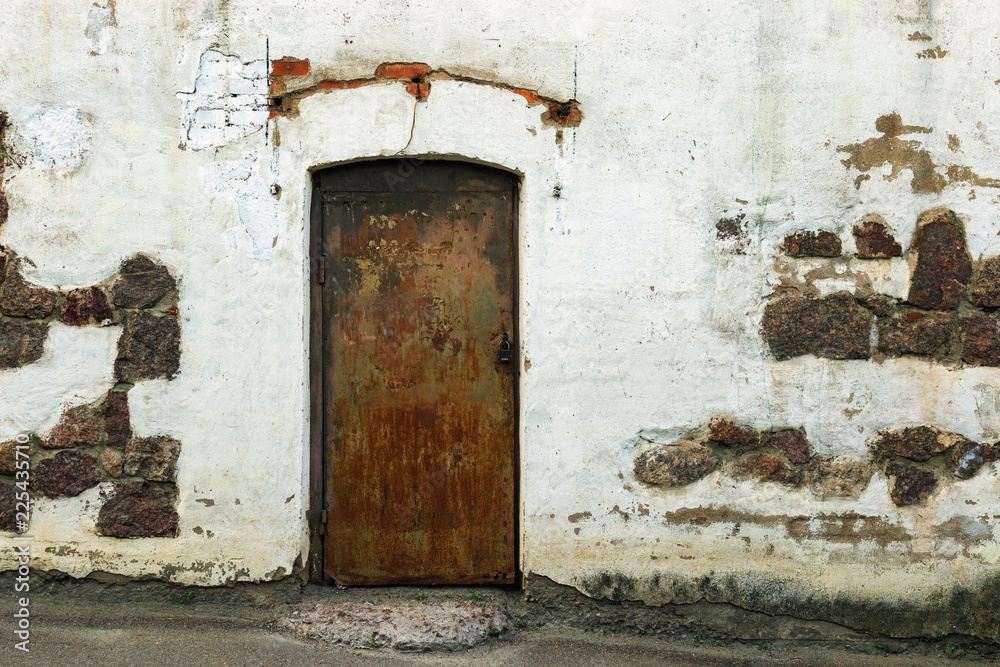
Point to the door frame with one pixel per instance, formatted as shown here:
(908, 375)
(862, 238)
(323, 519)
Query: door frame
(314, 566)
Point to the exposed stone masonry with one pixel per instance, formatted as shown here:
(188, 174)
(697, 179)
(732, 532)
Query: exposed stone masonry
(941, 318)
(874, 239)
(812, 244)
(914, 460)
(94, 443)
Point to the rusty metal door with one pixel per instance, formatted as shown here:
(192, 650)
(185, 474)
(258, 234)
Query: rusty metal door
(417, 272)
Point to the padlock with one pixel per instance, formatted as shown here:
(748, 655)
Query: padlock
(504, 353)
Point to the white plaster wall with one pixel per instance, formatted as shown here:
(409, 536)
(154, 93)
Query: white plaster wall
(632, 317)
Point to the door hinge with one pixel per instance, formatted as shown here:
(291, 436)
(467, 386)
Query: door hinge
(321, 270)
(322, 522)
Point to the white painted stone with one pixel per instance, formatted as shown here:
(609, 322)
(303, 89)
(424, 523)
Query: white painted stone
(634, 316)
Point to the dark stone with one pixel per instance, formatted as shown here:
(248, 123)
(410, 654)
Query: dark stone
(730, 434)
(969, 457)
(8, 508)
(908, 484)
(3, 253)
(837, 478)
(982, 341)
(21, 343)
(917, 443)
(142, 283)
(833, 327)
(986, 293)
(790, 442)
(880, 304)
(138, 509)
(675, 464)
(64, 475)
(80, 426)
(19, 298)
(943, 264)
(4, 206)
(154, 459)
(874, 239)
(117, 424)
(733, 232)
(812, 244)
(912, 333)
(148, 348)
(85, 307)
(768, 468)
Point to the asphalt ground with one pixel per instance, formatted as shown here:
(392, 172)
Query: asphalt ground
(148, 624)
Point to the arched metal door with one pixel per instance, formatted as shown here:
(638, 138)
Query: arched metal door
(417, 287)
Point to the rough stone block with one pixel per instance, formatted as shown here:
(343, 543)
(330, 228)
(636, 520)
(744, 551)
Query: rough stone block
(768, 468)
(113, 461)
(812, 244)
(874, 239)
(834, 327)
(969, 457)
(64, 475)
(943, 264)
(154, 459)
(675, 464)
(880, 304)
(80, 426)
(8, 508)
(21, 343)
(730, 434)
(986, 293)
(790, 442)
(142, 282)
(840, 477)
(117, 424)
(88, 306)
(912, 333)
(981, 346)
(138, 509)
(8, 457)
(19, 298)
(148, 348)
(909, 485)
(917, 443)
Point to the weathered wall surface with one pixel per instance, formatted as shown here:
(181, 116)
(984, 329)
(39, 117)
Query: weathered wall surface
(759, 330)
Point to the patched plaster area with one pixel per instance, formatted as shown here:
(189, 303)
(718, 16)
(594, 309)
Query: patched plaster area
(52, 137)
(254, 200)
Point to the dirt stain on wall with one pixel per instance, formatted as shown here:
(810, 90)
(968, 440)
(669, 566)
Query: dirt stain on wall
(901, 154)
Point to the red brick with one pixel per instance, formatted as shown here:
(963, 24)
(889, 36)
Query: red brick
(289, 67)
(419, 90)
(409, 71)
(530, 95)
